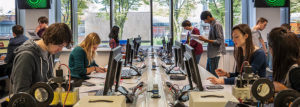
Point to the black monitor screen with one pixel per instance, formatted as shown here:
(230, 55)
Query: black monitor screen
(34, 4)
(193, 67)
(272, 3)
(128, 51)
(113, 53)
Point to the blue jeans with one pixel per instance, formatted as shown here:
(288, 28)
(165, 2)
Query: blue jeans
(198, 58)
(212, 65)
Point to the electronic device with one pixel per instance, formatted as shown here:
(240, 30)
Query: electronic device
(34, 4)
(262, 90)
(177, 77)
(155, 91)
(113, 66)
(285, 98)
(192, 68)
(271, 3)
(101, 101)
(210, 99)
(212, 87)
(242, 88)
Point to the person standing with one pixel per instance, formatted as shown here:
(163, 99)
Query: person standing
(216, 45)
(198, 49)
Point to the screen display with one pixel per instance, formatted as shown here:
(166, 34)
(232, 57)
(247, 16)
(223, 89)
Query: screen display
(272, 3)
(34, 4)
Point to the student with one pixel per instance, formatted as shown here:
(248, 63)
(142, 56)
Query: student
(81, 60)
(192, 42)
(17, 40)
(34, 59)
(244, 50)
(43, 25)
(216, 46)
(285, 49)
(114, 37)
(256, 35)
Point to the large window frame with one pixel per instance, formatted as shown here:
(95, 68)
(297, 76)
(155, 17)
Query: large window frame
(227, 31)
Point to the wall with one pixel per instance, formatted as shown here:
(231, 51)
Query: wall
(273, 16)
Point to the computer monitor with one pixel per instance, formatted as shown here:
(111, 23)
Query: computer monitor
(128, 51)
(193, 67)
(137, 43)
(178, 55)
(182, 51)
(110, 70)
(118, 74)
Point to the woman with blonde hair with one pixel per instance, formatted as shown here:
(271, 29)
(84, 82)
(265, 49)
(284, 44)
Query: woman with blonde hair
(81, 60)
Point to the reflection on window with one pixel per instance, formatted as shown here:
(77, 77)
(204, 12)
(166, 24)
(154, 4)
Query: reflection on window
(7, 18)
(133, 18)
(161, 21)
(93, 16)
(295, 16)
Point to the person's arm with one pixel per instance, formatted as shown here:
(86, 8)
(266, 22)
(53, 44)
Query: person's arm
(219, 35)
(9, 55)
(229, 81)
(263, 45)
(79, 67)
(23, 71)
(294, 79)
(259, 60)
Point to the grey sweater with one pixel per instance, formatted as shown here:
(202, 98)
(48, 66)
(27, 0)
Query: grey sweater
(30, 66)
(218, 46)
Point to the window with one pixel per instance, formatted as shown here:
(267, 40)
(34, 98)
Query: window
(237, 12)
(133, 18)
(161, 21)
(187, 10)
(295, 16)
(93, 16)
(7, 18)
(66, 12)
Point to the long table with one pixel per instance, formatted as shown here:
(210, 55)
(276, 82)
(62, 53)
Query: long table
(151, 77)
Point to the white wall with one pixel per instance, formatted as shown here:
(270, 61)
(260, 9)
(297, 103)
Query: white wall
(273, 17)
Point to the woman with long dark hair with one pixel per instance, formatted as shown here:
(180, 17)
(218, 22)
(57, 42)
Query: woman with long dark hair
(244, 51)
(285, 49)
(114, 37)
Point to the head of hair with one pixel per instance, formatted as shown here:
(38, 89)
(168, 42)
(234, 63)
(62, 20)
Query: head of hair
(18, 30)
(186, 23)
(204, 15)
(286, 26)
(58, 33)
(285, 48)
(114, 33)
(43, 19)
(88, 43)
(238, 51)
(261, 20)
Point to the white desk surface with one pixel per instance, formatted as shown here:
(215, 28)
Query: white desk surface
(159, 77)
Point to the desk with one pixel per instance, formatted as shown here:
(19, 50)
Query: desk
(159, 77)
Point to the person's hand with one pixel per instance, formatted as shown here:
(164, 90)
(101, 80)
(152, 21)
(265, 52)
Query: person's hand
(202, 38)
(101, 70)
(215, 80)
(221, 72)
(2, 57)
(279, 87)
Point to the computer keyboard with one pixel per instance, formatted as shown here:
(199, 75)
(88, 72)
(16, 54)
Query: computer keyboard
(126, 74)
(99, 93)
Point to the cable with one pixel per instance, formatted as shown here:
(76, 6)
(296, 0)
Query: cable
(243, 66)
(69, 72)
